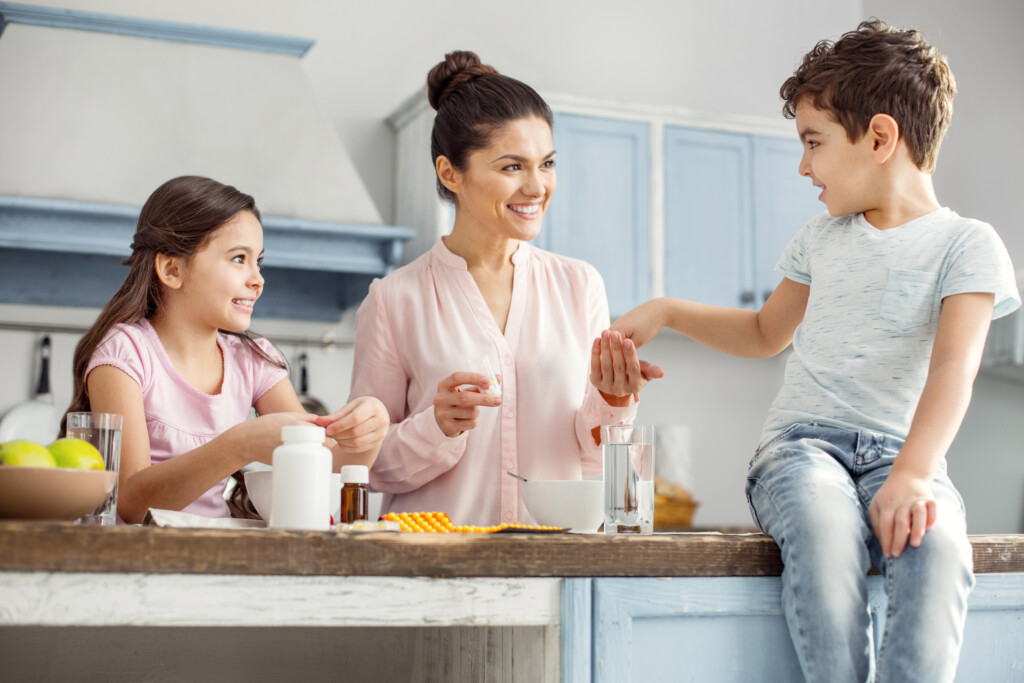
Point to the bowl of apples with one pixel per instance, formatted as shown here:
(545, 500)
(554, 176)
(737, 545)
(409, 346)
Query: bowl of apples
(59, 482)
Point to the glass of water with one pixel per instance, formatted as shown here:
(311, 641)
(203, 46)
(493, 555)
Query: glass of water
(102, 430)
(628, 478)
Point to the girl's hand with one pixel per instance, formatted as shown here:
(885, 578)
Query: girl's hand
(359, 426)
(456, 409)
(903, 508)
(257, 439)
(617, 371)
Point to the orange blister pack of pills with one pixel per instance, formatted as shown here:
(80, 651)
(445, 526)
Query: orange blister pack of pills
(438, 522)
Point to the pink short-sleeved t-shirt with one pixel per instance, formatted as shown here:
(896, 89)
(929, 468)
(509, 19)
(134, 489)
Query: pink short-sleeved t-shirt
(179, 417)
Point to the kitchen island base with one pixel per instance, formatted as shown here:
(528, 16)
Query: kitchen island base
(450, 607)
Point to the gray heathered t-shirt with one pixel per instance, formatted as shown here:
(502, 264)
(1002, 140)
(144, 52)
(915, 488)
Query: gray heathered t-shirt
(860, 356)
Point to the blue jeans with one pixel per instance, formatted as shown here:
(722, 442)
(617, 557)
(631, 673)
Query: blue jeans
(809, 488)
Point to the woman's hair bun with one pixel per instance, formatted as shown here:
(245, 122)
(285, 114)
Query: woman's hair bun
(458, 68)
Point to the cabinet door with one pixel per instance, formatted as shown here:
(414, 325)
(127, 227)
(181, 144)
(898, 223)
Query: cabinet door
(784, 202)
(708, 216)
(600, 211)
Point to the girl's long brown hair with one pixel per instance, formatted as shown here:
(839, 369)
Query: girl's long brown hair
(177, 220)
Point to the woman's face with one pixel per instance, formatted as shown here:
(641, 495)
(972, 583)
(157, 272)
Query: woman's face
(505, 187)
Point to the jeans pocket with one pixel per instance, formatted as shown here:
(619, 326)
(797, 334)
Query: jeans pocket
(909, 297)
(771, 442)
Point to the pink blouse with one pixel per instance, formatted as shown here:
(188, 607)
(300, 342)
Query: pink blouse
(427, 320)
(179, 417)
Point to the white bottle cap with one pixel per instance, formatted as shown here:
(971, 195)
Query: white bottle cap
(310, 433)
(355, 474)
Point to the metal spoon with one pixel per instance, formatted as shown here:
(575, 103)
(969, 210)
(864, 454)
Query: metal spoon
(513, 474)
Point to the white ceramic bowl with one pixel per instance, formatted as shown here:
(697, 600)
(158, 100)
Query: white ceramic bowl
(578, 505)
(55, 493)
(257, 482)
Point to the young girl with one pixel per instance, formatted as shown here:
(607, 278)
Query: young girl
(170, 352)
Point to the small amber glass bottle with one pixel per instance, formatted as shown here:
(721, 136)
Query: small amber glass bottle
(355, 493)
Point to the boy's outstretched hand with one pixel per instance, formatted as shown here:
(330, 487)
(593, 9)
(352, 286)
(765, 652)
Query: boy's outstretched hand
(642, 323)
(902, 510)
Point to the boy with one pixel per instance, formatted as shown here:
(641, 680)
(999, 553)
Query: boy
(887, 300)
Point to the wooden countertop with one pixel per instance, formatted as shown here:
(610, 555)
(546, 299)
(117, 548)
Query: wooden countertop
(42, 546)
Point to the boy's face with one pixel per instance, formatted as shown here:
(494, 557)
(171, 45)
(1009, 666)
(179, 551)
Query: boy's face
(843, 170)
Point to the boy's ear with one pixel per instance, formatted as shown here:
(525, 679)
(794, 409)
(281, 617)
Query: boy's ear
(449, 175)
(885, 136)
(169, 269)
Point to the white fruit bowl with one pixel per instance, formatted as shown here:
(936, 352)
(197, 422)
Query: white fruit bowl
(575, 504)
(52, 493)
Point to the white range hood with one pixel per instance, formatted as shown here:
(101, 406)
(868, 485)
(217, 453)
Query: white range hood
(96, 111)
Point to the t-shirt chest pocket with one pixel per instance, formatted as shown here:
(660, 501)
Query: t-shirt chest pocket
(909, 297)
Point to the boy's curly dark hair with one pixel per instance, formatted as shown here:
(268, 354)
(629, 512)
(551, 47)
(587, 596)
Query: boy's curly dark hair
(878, 69)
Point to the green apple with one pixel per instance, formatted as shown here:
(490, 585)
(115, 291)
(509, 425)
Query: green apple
(26, 454)
(72, 452)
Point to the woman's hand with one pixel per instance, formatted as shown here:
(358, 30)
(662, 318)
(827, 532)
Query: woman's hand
(617, 371)
(456, 409)
(903, 509)
(359, 426)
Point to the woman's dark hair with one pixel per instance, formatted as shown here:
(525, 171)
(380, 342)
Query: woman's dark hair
(472, 101)
(178, 219)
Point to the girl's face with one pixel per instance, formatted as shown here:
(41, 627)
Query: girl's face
(505, 187)
(222, 280)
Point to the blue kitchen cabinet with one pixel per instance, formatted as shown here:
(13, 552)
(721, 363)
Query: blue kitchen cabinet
(732, 203)
(784, 201)
(600, 213)
(708, 215)
(732, 630)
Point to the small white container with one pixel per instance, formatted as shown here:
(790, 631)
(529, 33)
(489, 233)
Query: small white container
(301, 481)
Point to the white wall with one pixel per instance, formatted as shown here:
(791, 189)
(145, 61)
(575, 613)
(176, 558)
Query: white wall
(979, 175)
(721, 56)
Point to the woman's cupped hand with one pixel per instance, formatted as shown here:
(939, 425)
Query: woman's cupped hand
(616, 369)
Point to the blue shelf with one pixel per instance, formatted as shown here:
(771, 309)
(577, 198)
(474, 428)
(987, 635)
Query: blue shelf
(67, 253)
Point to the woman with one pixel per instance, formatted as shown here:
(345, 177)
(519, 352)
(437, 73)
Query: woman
(484, 292)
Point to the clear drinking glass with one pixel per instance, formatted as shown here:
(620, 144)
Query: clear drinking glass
(628, 478)
(102, 430)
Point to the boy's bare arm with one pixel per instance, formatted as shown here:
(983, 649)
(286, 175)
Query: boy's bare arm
(904, 507)
(741, 332)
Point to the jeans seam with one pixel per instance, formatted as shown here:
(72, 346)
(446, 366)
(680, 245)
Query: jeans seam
(890, 582)
(803, 654)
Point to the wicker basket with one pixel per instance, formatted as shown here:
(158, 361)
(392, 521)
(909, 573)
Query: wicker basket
(673, 506)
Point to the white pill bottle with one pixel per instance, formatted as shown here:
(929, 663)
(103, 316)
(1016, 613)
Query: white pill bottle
(301, 482)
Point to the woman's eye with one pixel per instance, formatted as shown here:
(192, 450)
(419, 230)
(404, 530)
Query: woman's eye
(512, 167)
(550, 163)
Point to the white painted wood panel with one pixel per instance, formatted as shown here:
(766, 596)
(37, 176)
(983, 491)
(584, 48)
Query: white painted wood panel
(63, 599)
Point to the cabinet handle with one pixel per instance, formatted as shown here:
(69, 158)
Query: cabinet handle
(747, 297)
